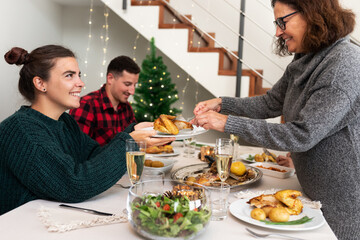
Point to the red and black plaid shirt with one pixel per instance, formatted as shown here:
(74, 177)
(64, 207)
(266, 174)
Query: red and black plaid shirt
(98, 119)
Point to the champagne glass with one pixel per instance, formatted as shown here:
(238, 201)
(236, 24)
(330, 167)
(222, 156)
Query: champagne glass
(135, 159)
(224, 150)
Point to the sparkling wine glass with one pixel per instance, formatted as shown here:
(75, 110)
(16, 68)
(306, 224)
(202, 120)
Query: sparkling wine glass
(135, 159)
(224, 150)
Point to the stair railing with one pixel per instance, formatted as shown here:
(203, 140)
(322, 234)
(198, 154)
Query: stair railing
(238, 34)
(216, 41)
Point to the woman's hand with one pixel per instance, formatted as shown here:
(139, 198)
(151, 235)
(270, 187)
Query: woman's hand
(212, 104)
(285, 161)
(211, 120)
(143, 125)
(144, 135)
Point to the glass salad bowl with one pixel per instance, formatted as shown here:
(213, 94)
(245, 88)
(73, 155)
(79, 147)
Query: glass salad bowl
(168, 209)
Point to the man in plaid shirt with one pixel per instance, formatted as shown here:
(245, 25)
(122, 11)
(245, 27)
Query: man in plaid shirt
(105, 112)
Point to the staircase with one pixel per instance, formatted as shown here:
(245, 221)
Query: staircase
(191, 49)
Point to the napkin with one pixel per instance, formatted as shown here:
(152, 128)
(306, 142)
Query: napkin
(248, 194)
(63, 220)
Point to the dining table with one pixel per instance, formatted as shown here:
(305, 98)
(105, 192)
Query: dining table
(23, 222)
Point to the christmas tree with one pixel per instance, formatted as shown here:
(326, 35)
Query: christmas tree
(155, 93)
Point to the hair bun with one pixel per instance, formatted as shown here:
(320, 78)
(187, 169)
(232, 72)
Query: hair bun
(16, 56)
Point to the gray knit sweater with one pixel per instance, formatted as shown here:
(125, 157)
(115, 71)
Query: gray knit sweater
(319, 96)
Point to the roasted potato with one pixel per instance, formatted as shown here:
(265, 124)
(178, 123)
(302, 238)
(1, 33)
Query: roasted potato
(279, 214)
(258, 158)
(157, 164)
(258, 214)
(148, 163)
(267, 210)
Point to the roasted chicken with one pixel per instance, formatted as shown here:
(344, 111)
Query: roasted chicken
(168, 124)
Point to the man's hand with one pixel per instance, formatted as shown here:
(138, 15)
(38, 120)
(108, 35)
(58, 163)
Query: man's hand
(143, 125)
(144, 135)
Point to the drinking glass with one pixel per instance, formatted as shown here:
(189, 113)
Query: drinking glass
(135, 159)
(190, 145)
(224, 150)
(218, 196)
(153, 175)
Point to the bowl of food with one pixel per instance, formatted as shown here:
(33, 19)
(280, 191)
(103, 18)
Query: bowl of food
(168, 209)
(159, 164)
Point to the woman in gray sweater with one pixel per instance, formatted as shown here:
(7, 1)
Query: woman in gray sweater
(319, 97)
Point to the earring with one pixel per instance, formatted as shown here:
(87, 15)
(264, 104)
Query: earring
(44, 89)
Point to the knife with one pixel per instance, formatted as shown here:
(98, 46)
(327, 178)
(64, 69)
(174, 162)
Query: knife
(86, 210)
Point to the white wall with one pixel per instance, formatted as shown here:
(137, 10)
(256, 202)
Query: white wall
(26, 24)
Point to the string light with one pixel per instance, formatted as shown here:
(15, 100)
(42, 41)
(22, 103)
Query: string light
(91, 10)
(135, 44)
(105, 39)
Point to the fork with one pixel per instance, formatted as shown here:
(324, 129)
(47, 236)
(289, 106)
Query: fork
(258, 235)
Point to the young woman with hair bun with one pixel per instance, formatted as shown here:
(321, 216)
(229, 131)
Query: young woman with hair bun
(43, 152)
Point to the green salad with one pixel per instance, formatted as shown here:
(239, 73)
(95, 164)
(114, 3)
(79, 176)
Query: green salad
(169, 217)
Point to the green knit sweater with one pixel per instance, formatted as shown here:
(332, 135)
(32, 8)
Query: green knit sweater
(48, 159)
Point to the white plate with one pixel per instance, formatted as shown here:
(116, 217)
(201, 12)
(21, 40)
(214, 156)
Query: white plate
(168, 164)
(175, 153)
(244, 157)
(241, 210)
(183, 134)
(273, 173)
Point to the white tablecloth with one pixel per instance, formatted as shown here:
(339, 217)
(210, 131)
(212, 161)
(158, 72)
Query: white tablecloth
(23, 222)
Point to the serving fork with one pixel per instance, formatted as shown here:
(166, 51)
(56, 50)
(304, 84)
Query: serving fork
(258, 235)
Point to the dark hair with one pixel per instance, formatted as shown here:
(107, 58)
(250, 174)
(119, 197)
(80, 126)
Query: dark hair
(121, 63)
(37, 63)
(326, 22)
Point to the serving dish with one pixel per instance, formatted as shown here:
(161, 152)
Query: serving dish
(242, 210)
(168, 209)
(250, 158)
(183, 134)
(173, 154)
(168, 164)
(285, 171)
(194, 170)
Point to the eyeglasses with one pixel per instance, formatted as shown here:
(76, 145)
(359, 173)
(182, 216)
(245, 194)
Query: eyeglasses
(280, 21)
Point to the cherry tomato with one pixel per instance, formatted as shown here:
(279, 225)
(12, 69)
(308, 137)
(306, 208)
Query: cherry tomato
(157, 204)
(166, 207)
(177, 216)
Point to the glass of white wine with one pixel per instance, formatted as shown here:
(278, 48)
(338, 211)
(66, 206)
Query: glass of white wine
(224, 150)
(135, 159)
